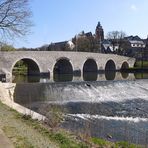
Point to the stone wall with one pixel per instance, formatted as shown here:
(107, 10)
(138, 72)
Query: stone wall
(7, 98)
(46, 60)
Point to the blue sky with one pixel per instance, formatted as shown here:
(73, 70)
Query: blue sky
(59, 20)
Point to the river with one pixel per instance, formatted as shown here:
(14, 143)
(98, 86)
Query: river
(113, 107)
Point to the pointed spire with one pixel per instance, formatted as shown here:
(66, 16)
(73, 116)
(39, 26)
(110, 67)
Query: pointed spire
(99, 25)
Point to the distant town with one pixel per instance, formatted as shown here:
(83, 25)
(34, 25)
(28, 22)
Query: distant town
(116, 42)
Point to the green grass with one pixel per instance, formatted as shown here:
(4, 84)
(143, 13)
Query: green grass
(140, 64)
(123, 144)
(64, 139)
(20, 70)
(106, 144)
(19, 141)
(101, 142)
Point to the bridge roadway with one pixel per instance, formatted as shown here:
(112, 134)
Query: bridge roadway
(47, 62)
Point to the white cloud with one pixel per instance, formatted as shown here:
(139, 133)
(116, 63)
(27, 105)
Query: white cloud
(133, 7)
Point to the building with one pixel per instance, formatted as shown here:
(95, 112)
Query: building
(106, 46)
(136, 47)
(81, 42)
(99, 32)
(61, 46)
(136, 42)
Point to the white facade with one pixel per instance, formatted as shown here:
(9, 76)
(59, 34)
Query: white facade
(71, 45)
(139, 44)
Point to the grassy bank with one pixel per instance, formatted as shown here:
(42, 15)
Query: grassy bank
(106, 144)
(141, 64)
(25, 132)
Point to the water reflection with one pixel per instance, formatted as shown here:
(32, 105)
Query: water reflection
(141, 75)
(110, 75)
(62, 77)
(90, 76)
(124, 75)
(26, 79)
(87, 76)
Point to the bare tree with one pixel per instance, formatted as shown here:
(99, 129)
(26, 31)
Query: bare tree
(14, 18)
(116, 38)
(116, 35)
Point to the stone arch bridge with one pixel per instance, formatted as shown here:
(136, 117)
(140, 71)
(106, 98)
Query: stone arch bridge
(46, 62)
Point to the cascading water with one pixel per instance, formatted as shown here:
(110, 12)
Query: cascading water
(116, 108)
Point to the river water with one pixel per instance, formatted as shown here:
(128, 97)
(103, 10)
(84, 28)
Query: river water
(112, 108)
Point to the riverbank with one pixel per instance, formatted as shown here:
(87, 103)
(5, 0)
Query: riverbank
(21, 134)
(26, 129)
(24, 132)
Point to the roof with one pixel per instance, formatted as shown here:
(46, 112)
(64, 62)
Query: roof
(88, 34)
(133, 38)
(106, 42)
(60, 43)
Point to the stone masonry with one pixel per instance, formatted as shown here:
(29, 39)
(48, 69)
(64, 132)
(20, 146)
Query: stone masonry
(46, 60)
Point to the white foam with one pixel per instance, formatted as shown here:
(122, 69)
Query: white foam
(118, 91)
(90, 117)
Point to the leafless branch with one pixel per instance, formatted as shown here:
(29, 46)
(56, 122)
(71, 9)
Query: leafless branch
(14, 18)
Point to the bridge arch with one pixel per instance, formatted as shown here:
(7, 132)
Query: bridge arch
(32, 65)
(63, 70)
(90, 70)
(110, 70)
(63, 66)
(110, 65)
(124, 66)
(90, 65)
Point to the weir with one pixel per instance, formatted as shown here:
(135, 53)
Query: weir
(108, 107)
(118, 108)
(102, 91)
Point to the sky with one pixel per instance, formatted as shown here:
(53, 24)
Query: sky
(60, 20)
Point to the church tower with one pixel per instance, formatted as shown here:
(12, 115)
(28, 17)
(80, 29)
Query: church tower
(99, 32)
